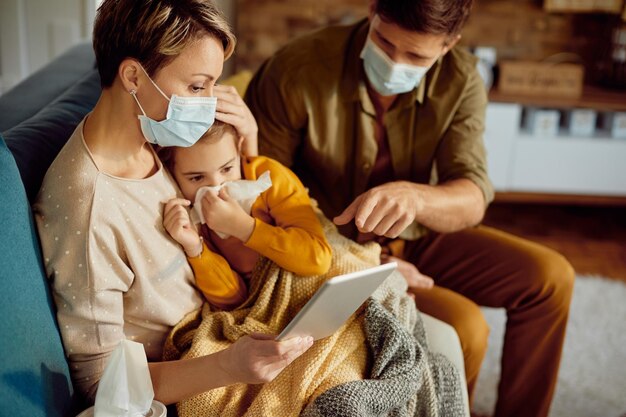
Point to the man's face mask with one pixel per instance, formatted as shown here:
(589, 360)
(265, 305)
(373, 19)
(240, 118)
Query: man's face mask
(387, 77)
(187, 119)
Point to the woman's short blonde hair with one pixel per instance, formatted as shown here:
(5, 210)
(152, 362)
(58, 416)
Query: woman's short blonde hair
(154, 32)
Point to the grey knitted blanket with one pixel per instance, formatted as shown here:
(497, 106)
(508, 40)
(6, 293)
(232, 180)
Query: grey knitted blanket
(406, 378)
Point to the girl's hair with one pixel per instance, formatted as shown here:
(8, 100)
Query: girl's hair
(435, 17)
(154, 32)
(216, 132)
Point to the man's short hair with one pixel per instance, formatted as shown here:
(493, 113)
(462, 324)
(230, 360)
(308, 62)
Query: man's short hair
(435, 17)
(153, 32)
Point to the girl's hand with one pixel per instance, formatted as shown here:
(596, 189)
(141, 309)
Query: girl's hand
(178, 224)
(258, 358)
(224, 215)
(232, 109)
(411, 274)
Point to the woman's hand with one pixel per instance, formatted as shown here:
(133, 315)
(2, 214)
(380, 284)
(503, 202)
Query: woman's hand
(232, 109)
(178, 224)
(258, 358)
(223, 214)
(253, 359)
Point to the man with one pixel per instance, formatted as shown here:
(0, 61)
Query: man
(383, 121)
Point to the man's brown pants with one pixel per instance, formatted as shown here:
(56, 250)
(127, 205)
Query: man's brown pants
(487, 267)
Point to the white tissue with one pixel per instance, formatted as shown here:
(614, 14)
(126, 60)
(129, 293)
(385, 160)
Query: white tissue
(245, 192)
(125, 388)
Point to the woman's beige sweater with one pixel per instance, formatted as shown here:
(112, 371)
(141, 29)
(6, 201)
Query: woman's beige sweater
(114, 271)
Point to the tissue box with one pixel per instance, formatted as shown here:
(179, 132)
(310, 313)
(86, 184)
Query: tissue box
(543, 123)
(157, 409)
(581, 122)
(615, 123)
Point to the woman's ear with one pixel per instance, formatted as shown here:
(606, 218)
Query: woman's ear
(128, 73)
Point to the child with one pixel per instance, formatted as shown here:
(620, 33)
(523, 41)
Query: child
(281, 226)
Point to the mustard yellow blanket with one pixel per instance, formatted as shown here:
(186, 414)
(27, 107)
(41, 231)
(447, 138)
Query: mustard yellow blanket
(348, 355)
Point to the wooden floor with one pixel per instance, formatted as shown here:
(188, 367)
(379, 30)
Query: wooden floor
(593, 239)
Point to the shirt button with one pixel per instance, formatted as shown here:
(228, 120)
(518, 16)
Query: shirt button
(366, 167)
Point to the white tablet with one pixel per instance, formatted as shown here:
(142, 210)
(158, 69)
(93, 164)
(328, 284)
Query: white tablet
(335, 301)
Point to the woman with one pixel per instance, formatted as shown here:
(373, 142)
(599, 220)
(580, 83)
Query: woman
(114, 270)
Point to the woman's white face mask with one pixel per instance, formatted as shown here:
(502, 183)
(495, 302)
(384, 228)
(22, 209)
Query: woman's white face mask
(188, 118)
(387, 77)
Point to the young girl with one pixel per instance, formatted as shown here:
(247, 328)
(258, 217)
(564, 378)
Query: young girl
(281, 226)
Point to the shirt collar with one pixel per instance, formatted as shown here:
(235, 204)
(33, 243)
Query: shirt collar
(352, 87)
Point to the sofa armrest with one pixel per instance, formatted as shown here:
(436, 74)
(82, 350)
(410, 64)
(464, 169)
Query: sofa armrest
(42, 87)
(34, 375)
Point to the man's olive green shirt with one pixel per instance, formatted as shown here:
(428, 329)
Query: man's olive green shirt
(316, 117)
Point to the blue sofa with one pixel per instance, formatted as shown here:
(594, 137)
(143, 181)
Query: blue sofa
(36, 119)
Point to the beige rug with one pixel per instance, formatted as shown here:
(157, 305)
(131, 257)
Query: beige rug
(592, 378)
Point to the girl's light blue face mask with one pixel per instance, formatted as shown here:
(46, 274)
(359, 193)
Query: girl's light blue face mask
(187, 119)
(387, 77)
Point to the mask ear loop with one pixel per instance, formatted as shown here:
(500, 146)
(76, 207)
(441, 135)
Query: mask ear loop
(153, 83)
(134, 94)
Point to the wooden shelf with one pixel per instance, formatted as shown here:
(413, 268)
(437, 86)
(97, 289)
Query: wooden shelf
(560, 199)
(594, 98)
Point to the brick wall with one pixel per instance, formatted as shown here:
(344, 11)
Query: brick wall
(519, 29)
(263, 26)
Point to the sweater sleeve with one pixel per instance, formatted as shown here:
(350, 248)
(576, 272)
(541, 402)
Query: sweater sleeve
(221, 285)
(89, 278)
(296, 240)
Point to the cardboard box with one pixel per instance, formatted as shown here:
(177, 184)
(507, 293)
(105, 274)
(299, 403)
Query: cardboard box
(541, 79)
(608, 6)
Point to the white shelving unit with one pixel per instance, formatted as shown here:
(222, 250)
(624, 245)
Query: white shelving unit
(521, 162)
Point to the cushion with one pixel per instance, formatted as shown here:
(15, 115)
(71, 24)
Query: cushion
(37, 141)
(31, 95)
(239, 80)
(34, 375)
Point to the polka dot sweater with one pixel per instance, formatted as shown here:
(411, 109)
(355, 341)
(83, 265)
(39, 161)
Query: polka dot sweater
(114, 271)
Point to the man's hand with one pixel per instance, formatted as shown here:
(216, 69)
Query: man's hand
(413, 277)
(258, 358)
(232, 109)
(223, 214)
(177, 223)
(385, 210)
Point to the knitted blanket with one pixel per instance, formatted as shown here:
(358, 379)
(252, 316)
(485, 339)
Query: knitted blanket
(377, 363)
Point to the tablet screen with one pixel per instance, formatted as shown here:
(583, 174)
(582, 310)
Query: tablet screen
(335, 301)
